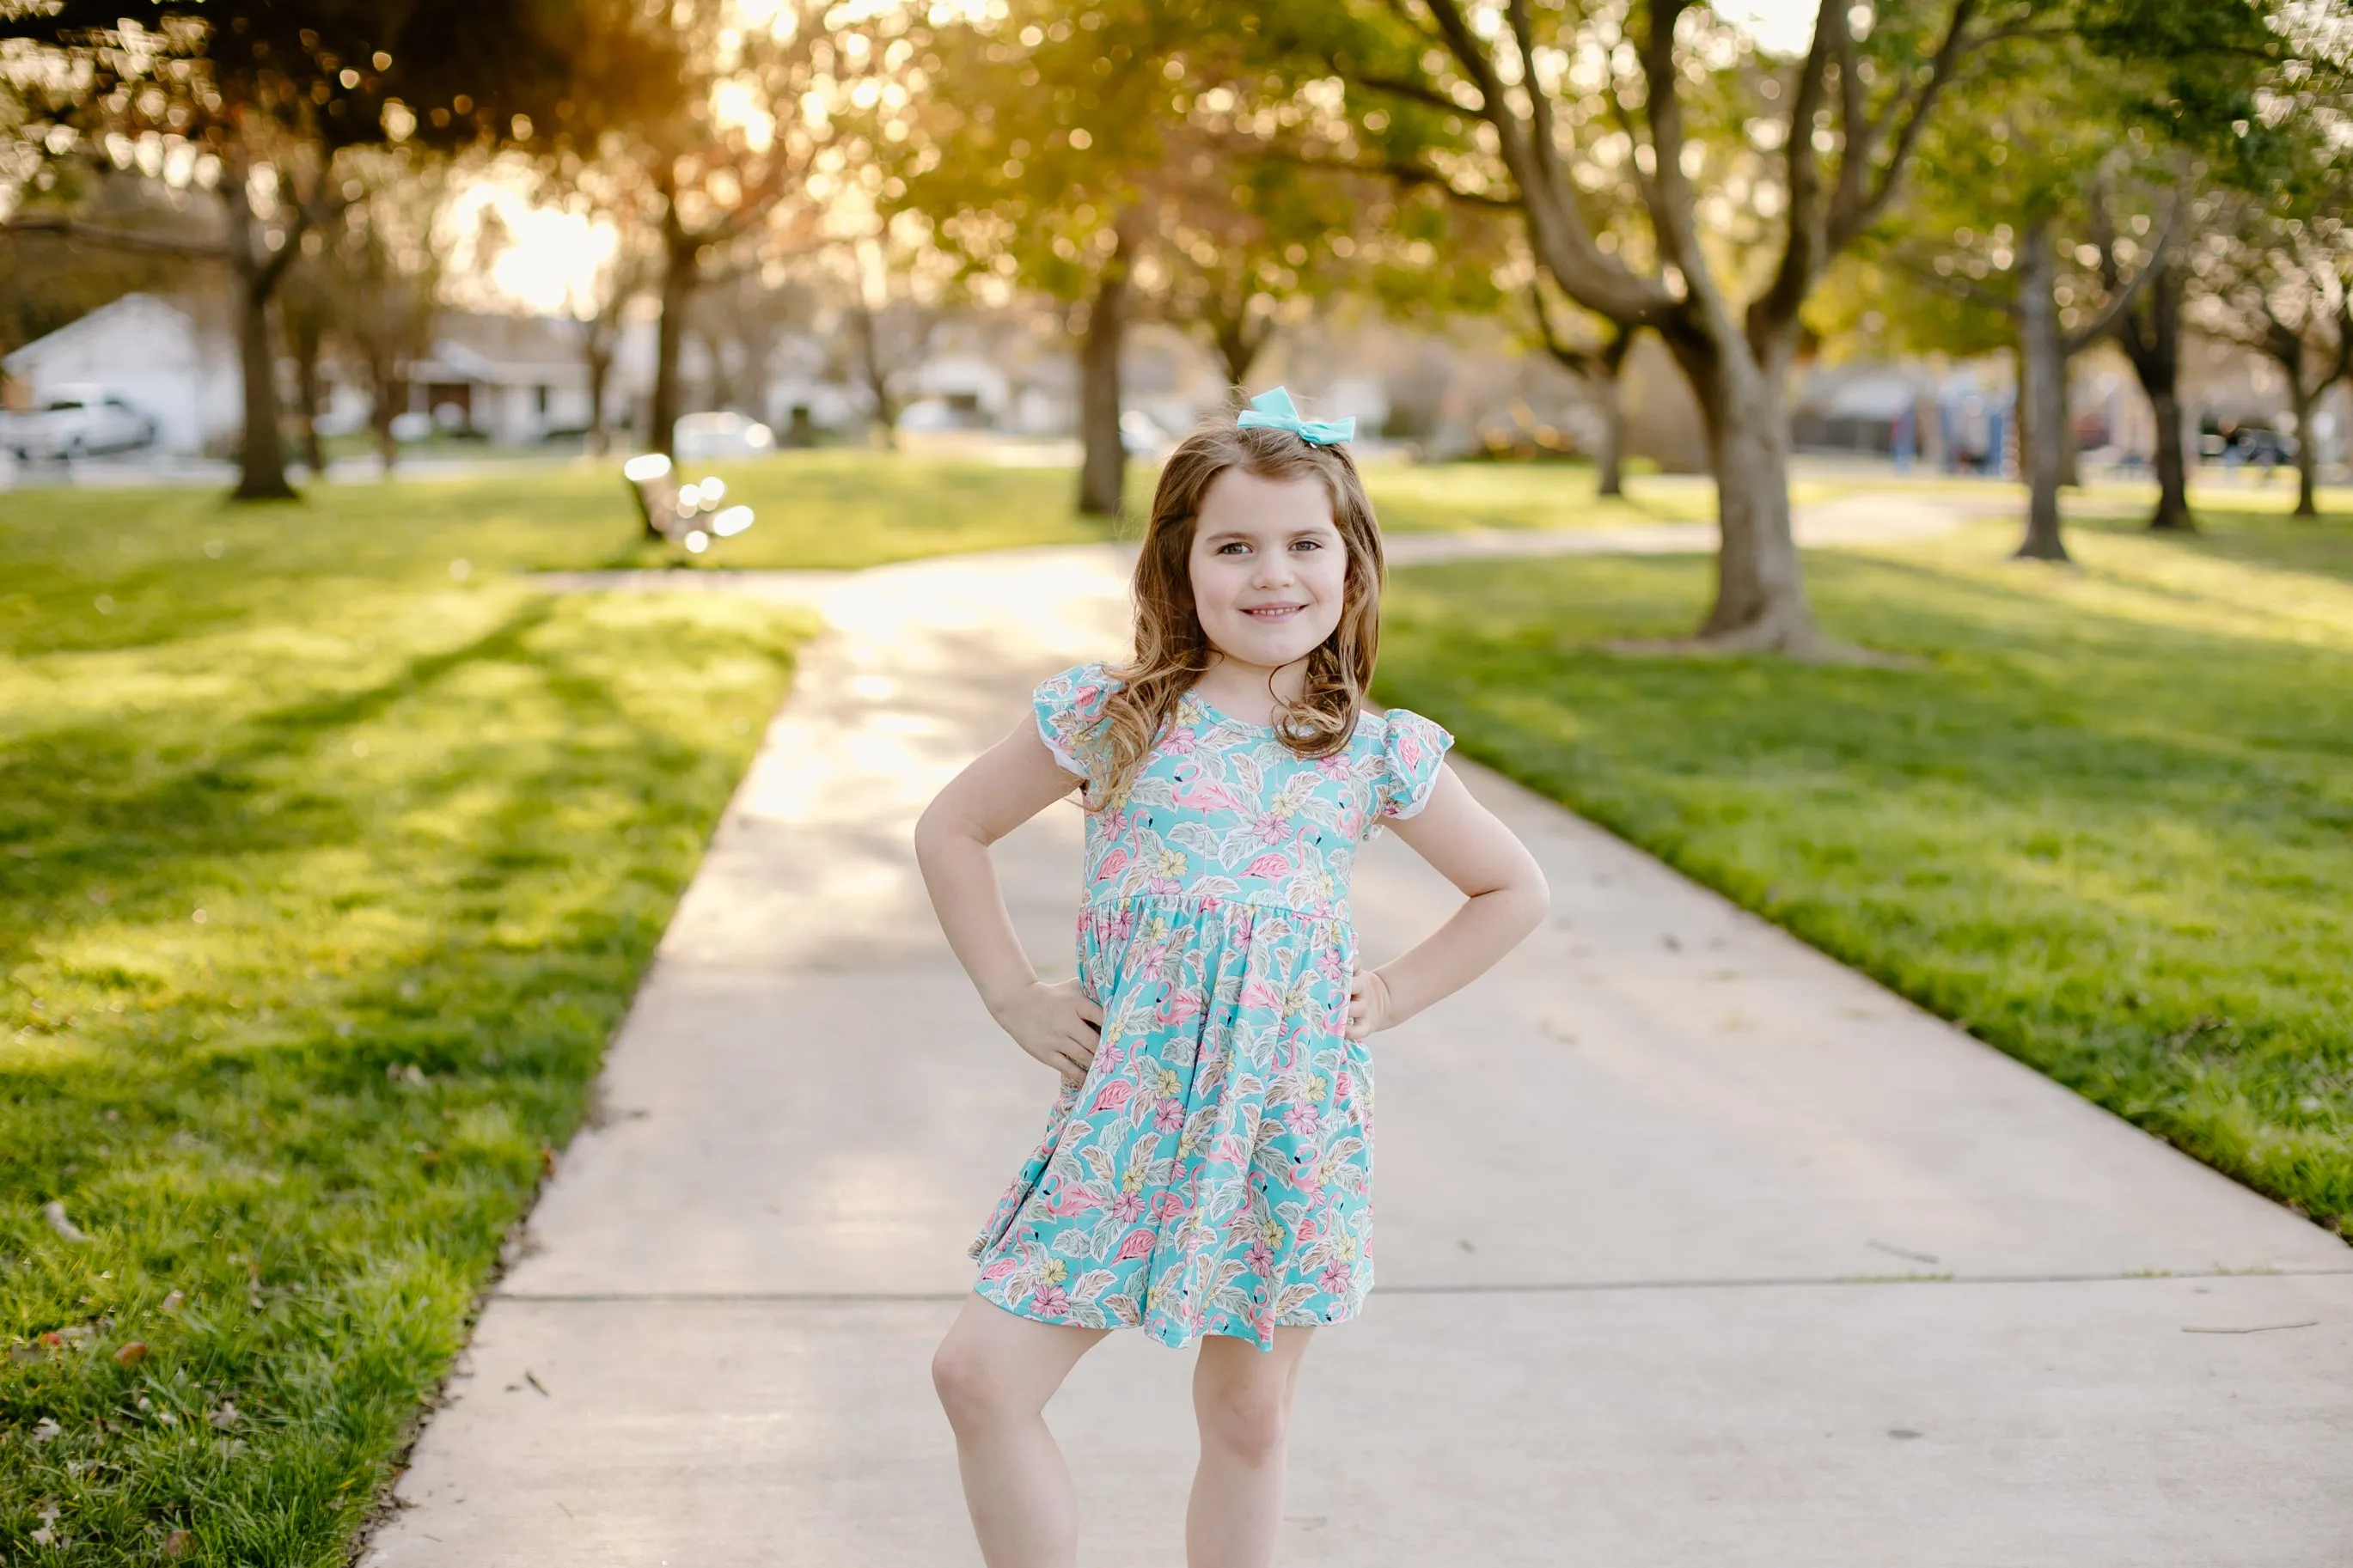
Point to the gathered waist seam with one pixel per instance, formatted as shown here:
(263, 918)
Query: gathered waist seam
(1339, 916)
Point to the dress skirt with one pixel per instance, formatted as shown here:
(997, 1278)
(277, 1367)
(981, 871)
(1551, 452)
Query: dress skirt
(1213, 1175)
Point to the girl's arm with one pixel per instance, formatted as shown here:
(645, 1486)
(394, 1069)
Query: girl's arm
(1006, 786)
(1504, 897)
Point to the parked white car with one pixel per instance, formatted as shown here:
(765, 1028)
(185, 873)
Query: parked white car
(78, 422)
(721, 436)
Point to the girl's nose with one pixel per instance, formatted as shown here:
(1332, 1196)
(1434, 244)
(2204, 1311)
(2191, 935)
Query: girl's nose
(1272, 571)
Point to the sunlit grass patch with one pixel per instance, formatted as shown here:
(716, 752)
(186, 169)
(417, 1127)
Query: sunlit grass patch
(325, 873)
(2104, 819)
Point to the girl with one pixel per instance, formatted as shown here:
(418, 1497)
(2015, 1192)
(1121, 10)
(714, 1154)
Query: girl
(1206, 1173)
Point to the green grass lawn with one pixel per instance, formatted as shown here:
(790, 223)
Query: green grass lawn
(325, 872)
(2105, 821)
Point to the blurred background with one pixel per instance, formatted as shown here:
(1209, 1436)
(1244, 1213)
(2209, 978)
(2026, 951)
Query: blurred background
(249, 245)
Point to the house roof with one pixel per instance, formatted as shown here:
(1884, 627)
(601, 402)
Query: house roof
(499, 348)
(127, 310)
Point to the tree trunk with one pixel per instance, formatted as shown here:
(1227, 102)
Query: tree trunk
(2042, 394)
(2071, 476)
(600, 371)
(384, 389)
(878, 379)
(2172, 515)
(1103, 464)
(1610, 391)
(1760, 589)
(2308, 452)
(1238, 346)
(681, 265)
(306, 364)
(262, 455)
(2150, 335)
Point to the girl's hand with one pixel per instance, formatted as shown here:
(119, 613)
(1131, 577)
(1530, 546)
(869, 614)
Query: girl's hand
(1370, 1008)
(1055, 1023)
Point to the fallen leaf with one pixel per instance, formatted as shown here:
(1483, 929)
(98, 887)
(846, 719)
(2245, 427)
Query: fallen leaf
(226, 1416)
(132, 1353)
(54, 1211)
(46, 1428)
(174, 1301)
(177, 1544)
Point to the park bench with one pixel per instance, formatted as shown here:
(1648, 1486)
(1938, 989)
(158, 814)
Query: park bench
(688, 514)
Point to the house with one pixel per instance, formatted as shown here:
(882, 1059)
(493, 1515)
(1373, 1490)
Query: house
(167, 359)
(515, 379)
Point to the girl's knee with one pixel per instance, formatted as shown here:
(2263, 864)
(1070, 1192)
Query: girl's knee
(962, 1380)
(1250, 1420)
(972, 1386)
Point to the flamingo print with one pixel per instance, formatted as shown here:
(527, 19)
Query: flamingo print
(1223, 1093)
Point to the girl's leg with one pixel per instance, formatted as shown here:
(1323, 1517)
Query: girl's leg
(995, 1373)
(1242, 1396)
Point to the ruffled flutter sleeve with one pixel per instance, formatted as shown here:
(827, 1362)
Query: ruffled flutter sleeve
(1069, 709)
(1413, 751)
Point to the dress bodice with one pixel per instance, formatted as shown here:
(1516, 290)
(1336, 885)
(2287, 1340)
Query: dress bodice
(1223, 812)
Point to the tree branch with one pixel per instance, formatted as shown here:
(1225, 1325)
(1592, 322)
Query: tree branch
(1471, 54)
(1845, 225)
(117, 238)
(1671, 210)
(1419, 92)
(1801, 249)
(2121, 300)
(1540, 121)
(1962, 286)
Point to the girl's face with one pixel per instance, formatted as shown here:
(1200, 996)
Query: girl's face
(1269, 567)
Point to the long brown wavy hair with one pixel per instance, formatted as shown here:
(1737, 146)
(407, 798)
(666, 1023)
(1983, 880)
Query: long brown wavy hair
(1172, 651)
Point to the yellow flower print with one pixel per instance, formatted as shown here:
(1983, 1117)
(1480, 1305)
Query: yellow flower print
(1055, 1271)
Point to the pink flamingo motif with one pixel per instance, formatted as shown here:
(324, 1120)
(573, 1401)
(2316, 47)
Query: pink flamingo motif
(1268, 865)
(1138, 1245)
(1073, 1200)
(1202, 794)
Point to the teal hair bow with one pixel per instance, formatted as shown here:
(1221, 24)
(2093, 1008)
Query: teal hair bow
(1275, 411)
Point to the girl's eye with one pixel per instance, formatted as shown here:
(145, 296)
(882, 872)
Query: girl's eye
(1232, 546)
(1307, 544)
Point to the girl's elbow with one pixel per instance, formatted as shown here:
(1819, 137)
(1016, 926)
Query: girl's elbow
(933, 829)
(1536, 895)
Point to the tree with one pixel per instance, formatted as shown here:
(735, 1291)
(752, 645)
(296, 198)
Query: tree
(737, 153)
(270, 96)
(2148, 330)
(892, 283)
(1602, 367)
(382, 268)
(2015, 182)
(1116, 157)
(1513, 105)
(2277, 277)
(2251, 94)
(1037, 172)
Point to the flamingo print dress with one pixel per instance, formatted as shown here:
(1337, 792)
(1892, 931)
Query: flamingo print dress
(1213, 1175)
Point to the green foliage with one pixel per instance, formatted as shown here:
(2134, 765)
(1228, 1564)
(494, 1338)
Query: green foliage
(2101, 821)
(323, 878)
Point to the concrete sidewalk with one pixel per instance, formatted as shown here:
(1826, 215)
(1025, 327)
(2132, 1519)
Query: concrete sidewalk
(1696, 1248)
